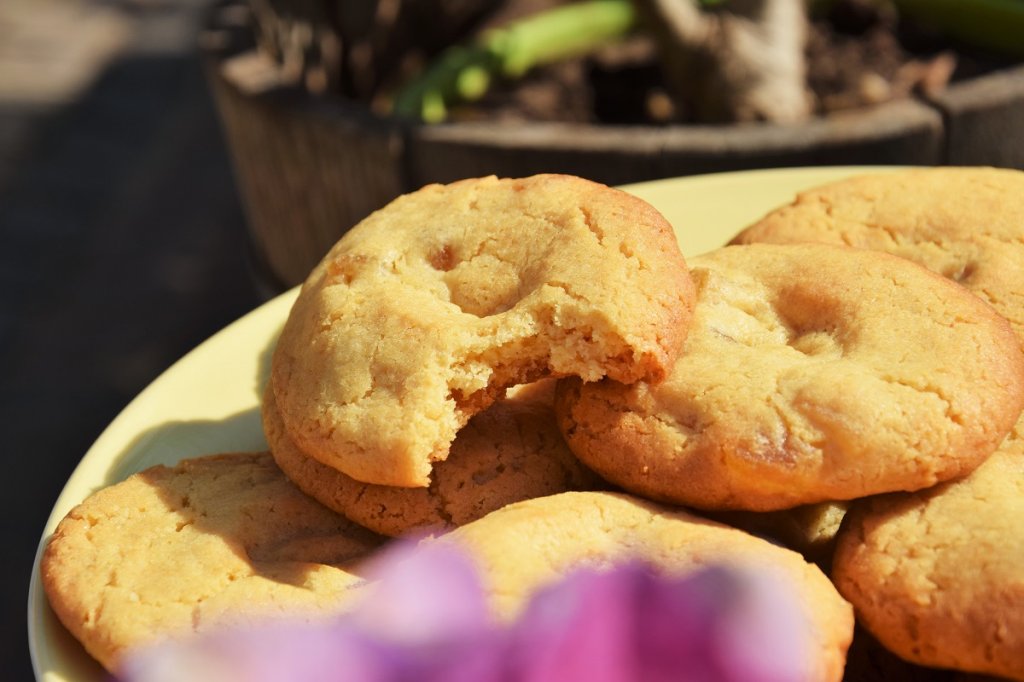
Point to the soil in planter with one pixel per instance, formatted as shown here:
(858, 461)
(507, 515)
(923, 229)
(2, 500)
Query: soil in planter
(857, 56)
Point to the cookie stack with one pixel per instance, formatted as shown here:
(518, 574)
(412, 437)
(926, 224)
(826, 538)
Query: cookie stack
(936, 575)
(529, 368)
(430, 309)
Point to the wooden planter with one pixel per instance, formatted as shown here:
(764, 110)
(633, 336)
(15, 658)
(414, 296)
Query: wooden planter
(308, 168)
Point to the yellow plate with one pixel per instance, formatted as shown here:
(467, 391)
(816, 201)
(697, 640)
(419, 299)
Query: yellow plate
(208, 401)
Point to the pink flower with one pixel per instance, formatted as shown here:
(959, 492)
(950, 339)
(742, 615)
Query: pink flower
(421, 594)
(715, 625)
(425, 619)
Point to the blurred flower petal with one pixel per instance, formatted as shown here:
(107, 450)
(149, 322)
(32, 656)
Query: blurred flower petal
(761, 634)
(419, 593)
(425, 620)
(272, 652)
(625, 625)
(582, 628)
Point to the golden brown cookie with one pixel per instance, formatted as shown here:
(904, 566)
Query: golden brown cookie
(509, 452)
(963, 223)
(809, 529)
(811, 373)
(938, 575)
(214, 540)
(966, 224)
(526, 546)
(427, 310)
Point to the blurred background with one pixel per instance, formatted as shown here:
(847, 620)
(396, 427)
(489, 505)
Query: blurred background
(121, 240)
(133, 133)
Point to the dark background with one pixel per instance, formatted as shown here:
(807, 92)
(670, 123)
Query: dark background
(122, 242)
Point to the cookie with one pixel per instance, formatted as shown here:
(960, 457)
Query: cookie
(512, 451)
(936, 575)
(215, 540)
(966, 224)
(809, 529)
(811, 373)
(526, 546)
(427, 310)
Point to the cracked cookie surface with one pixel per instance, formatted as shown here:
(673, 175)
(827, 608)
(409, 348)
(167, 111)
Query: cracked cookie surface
(511, 451)
(936, 575)
(811, 372)
(528, 545)
(936, 595)
(426, 311)
(966, 224)
(215, 540)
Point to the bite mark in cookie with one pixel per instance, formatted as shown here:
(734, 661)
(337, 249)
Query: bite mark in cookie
(424, 313)
(510, 452)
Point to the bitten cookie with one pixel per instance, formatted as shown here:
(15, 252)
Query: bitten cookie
(526, 546)
(510, 452)
(966, 224)
(214, 540)
(811, 373)
(427, 310)
(937, 575)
